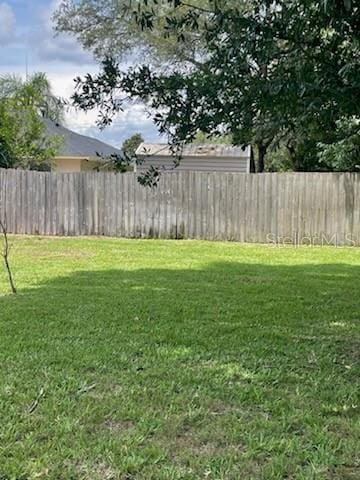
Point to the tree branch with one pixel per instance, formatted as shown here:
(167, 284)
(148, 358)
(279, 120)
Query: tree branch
(6, 253)
(196, 7)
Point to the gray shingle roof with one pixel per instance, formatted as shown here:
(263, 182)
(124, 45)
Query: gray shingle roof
(76, 145)
(206, 150)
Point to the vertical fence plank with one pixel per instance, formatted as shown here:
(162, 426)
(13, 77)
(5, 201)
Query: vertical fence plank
(131, 205)
(236, 206)
(210, 228)
(190, 203)
(248, 208)
(179, 178)
(186, 203)
(267, 208)
(197, 207)
(173, 199)
(54, 213)
(355, 235)
(203, 205)
(125, 202)
(229, 234)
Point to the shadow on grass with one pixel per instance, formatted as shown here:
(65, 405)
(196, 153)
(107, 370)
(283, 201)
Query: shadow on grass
(218, 309)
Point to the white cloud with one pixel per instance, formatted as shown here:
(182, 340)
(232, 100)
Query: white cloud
(7, 24)
(117, 133)
(52, 47)
(62, 59)
(132, 120)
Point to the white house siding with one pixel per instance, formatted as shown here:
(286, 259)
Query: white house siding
(199, 164)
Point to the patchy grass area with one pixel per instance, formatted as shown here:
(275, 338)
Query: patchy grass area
(155, 360)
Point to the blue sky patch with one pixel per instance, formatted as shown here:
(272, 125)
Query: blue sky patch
(29, 44)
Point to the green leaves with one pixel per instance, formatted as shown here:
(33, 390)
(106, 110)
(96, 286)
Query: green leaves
(131, 144)
(266, 74)
(344, 153)
(23, 139)
(347, 4)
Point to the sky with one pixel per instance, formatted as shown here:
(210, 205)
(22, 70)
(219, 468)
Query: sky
(28, 43)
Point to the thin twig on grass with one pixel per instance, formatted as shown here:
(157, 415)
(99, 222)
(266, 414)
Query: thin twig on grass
(35, 403)
(6, 253)
(86, 388)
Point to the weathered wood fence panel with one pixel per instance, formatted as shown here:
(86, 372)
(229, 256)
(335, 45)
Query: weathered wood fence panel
(300, 208)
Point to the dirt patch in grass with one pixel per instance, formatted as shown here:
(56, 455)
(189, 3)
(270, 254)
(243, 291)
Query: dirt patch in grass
(188, 444)
(95, 471)
(118, 426)
(345, 472)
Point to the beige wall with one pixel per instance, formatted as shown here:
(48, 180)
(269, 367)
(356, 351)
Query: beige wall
(91, 165)
(68, 164)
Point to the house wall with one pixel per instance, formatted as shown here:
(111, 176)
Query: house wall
(91, 165)
(200, 164)
(66, 164)
(69, 165)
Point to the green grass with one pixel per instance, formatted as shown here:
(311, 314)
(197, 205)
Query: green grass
(155, 360)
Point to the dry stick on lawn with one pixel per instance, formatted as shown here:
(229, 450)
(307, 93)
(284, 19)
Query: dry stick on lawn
(6, 253)
(35, 403)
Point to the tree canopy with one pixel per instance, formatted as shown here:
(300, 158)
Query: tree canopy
(128, 32)
(23, 139)
(131, 144)
(270, 74)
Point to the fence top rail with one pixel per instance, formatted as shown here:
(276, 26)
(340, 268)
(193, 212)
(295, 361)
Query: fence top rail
(185, 173)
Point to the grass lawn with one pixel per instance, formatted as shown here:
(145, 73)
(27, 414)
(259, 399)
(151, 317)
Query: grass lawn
(164, 360)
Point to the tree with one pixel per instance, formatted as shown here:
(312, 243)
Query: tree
(124, 161)
(344, 153)
(7, 132)
(34, 93)
(201, 138)
(131, 144)
(23, 139)
(124, 31)
(270, 73)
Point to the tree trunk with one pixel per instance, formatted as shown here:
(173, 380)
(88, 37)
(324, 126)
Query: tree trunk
(252, 161)
(261, 158)
(293, 157)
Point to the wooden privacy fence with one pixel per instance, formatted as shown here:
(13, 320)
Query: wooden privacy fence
(300, 208)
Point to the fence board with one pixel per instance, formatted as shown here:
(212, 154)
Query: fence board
(293, 207)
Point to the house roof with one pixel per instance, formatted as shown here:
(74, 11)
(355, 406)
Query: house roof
(76, 145)
(205, 150)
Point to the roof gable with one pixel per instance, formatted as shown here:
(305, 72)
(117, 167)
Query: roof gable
(76, 145)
